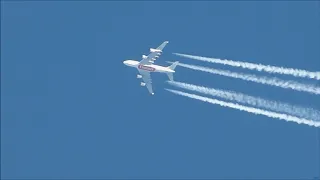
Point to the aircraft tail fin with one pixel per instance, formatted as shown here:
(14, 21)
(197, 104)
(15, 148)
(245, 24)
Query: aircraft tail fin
(173, 65)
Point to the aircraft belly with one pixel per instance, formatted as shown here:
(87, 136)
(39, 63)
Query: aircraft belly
(160, 70)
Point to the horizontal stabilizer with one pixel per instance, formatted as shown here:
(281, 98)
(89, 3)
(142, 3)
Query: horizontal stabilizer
(173, 65)
(170, 76)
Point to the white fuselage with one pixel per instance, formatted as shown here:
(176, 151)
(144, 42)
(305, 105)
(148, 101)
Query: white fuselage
(150, 68)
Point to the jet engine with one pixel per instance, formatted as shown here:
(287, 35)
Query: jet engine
(143, 84)
(155, 50)
(144, 56)
(139, 76)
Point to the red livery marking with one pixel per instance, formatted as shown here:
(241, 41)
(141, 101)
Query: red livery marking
(147, 68)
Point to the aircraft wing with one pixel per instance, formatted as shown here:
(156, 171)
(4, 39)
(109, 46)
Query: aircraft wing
(146, 77)
(154, 54)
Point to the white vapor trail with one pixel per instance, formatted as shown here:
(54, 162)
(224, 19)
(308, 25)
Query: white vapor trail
(262, 80)
(253, 101)
(258, 67)
(249, 109)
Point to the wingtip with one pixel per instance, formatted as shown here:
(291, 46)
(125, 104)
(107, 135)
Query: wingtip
(152, 93)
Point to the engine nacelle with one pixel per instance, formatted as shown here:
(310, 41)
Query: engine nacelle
(155, 50)
(143, 84)
(144, 56)
(139, 76)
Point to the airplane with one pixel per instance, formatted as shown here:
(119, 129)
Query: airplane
(146, 66)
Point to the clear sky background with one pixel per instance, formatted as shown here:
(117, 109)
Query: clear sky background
(71, 109)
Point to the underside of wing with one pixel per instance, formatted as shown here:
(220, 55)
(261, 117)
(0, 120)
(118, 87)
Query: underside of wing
(147, 81)
(154, 54)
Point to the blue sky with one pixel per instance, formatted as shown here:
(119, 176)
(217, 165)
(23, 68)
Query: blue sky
(71, 109)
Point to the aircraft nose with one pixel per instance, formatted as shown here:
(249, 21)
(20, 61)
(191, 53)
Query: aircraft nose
(125, 62)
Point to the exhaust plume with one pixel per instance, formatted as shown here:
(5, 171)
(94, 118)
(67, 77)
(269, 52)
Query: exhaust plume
(248, 109)
(258, 67)
(262, 80)
(252, 101)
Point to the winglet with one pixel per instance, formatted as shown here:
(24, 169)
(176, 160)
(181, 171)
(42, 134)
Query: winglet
(162, 45)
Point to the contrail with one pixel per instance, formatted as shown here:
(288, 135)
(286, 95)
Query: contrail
(263, 80)
(249, 109)
(258, 67)
(253, 101)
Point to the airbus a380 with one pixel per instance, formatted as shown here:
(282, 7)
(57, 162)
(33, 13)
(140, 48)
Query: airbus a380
(146, 66)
